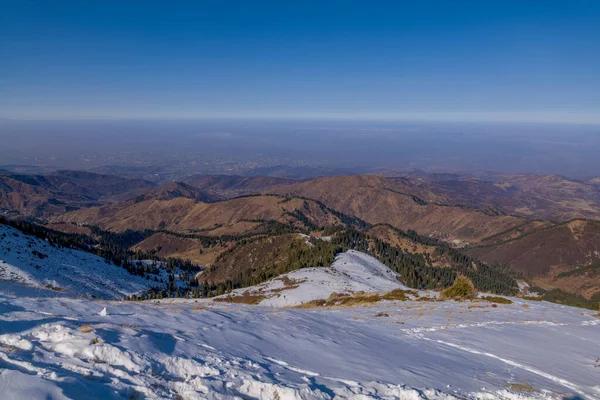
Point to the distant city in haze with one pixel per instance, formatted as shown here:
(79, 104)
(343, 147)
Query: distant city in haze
(166, 150)
(190, 87)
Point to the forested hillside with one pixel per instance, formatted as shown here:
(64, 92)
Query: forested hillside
(255, 261)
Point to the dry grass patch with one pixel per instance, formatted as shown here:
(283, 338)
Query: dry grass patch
(476, 306)
(358, 299)
(520, 387)
(497, 299)
(312, 304)
(399, 294)
(244, 298)
(533, 298)
(426, 298)
(9, 349)
(289, 283)
(353, 300)
(462, 289)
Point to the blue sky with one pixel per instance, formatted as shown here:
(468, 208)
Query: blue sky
(431, 60)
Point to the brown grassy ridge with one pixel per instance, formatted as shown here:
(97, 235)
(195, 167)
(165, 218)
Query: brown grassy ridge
(252, 258)
(185, 215)
(359, 298)
(354, 299)
(378, 200)
(167, 245)
(553, 256)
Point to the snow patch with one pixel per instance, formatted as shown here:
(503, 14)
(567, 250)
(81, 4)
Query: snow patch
(351, 272)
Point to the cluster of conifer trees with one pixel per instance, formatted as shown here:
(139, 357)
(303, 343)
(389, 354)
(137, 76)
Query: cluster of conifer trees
(415, 270)
(114, 248)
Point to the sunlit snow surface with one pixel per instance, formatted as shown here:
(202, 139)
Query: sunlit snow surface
(208, 350)
(57, 348)
(33, 267)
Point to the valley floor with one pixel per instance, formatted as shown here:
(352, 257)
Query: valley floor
(63, 348)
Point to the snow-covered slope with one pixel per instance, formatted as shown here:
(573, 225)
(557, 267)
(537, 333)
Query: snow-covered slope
(63, 348)
(33, 266)
(351, 271)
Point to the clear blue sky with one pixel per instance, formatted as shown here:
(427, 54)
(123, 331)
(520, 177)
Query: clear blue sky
(455, 60)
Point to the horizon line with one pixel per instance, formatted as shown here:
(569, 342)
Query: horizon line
(422, 117)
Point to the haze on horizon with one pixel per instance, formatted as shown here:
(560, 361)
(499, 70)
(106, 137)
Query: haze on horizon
(508, 86)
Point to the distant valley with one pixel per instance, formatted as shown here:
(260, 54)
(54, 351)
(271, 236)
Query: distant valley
(542, 227)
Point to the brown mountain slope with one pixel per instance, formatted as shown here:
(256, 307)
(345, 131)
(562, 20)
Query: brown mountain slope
(166, 245)
(27, 198)
(378, 200)
(94, 185)
(44, 195)
(391, 236)
(527, 227)
(70, 228)
(185, 215)
(546, 253)
(229, 186)
(166, 191)
(537, 196)
(551, 196)
(300, 172)
(253, 258)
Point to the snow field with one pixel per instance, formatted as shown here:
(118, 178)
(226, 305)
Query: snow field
(60, 348)
(33, 263)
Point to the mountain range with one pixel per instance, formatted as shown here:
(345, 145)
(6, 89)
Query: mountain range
(541, 226)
